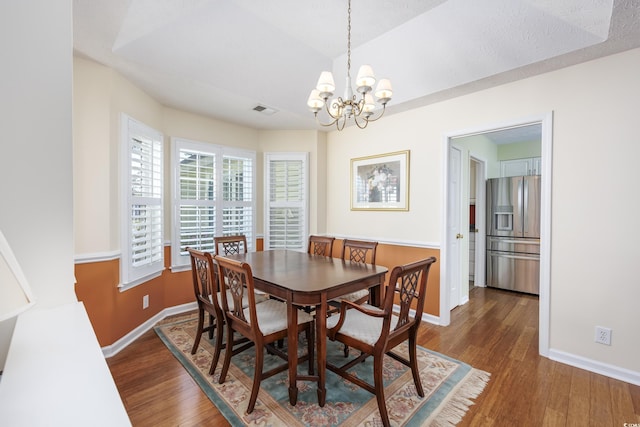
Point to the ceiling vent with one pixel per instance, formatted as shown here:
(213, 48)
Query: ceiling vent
(264, 109)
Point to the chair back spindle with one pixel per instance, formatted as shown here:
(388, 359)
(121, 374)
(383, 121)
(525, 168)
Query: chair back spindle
(231, 245)
(321, 245)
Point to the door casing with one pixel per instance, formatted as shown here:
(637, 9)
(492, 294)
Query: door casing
(546, 122)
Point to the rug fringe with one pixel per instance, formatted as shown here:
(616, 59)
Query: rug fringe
(459, 402)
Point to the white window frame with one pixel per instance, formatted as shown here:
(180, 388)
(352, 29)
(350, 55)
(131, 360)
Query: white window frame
(179, 259)
(303, 204)
(132, 275)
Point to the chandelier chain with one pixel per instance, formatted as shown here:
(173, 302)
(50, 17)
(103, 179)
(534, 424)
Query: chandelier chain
(339, 109)
(349, 40)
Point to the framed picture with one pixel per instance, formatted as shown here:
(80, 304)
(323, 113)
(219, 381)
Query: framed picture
(380, 183)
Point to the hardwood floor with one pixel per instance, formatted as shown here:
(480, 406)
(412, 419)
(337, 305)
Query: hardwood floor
(496, 332)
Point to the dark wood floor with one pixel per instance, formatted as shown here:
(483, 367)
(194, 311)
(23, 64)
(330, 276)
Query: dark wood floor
(496, 332)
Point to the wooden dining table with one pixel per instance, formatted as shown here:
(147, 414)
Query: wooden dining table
(305, 280)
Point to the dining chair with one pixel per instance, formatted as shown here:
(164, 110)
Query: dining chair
(358, 251)
(207, 293)
(377, 331)
(231, 245)
(321, 245)
(263, 324)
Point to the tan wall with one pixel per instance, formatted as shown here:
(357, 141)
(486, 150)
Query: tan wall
(593, 204)
(114, 314)
(593, 171)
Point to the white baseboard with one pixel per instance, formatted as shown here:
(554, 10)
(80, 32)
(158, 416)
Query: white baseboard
(116, 347)
(429, 318)
(611, 371)
(594, 366)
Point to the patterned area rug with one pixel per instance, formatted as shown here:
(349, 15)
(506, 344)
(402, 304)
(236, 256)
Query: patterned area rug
(449, 387)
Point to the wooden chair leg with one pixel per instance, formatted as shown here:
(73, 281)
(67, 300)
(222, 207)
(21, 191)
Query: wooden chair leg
(218, 348)
(379, 387)
(196, 342)
(413, 361)
(257, 377)
(227, 356)
(211, 326)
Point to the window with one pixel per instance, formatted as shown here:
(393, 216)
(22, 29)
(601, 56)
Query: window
(142, 245)
(286, 201)
(213, 194)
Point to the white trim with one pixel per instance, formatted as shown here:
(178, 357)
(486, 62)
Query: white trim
(16, 292)
(304, 205)
(426, 317)
(96, 257)
(89, 258)
(411, 243)
(546, 120)
(116, 347)
(544, 315)
(179, 268)
(131, 276)
(590, 365)
(140, 280)
(220, 153)
(122, 343)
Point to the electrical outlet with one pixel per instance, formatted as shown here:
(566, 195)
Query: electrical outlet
(145, 301)
(603, 335)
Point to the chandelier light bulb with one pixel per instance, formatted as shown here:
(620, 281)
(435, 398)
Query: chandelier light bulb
(326, 85)
(366, 79)
(314, 102)
(384, 91)
(369, 105)
(340, 110)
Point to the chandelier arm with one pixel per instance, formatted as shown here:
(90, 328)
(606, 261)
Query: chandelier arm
(359, 124)
(324, 124)
(349, 107)
(384, 107)
(340, 103)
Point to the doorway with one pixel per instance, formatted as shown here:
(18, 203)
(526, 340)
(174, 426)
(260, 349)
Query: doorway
(477, 209)
(453, 253)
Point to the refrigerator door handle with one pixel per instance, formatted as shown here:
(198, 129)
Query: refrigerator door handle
(519, 242)
(525, 205)
(503, 255)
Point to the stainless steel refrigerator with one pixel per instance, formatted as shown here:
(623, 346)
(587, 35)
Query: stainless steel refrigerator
(513, 233)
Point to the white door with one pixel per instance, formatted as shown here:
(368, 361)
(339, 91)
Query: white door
(454, 232)
(480, 192)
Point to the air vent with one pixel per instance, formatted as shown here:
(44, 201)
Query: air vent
(265, 110)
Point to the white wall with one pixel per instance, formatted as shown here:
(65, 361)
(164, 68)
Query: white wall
(315, 144)
(100, 96)
(35, 154)
(594, 204)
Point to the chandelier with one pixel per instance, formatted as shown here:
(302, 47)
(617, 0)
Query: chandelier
(345, 108)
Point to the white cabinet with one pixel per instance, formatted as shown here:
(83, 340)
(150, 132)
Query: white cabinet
(519, 167)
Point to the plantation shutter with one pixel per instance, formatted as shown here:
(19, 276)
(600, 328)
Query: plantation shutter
(237, 197)
(143, 256)
(213, 195)
(286, 201)
(196, 204)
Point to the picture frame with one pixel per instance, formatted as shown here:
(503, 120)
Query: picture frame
(380, 182)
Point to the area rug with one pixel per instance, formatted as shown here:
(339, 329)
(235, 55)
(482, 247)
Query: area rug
(449, 387)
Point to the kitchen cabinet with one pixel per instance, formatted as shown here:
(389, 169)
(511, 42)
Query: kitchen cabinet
(520, 167)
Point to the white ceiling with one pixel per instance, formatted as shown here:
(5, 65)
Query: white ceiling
(221, 58)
